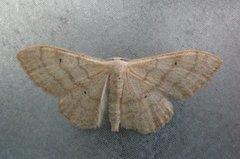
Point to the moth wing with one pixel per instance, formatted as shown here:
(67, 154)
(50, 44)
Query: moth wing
(57, 70)
(178, 74)
(84, 105)
(78, 80)
(143, 108)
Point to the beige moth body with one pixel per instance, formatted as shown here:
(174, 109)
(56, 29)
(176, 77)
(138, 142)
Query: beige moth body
(136, 90)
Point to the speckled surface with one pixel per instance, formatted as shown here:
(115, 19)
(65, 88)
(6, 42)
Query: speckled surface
(204, 126)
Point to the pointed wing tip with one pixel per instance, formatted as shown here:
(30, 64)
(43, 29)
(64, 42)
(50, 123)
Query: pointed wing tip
(20, 55)
(23, 52)
(220, 61)
(213, 56)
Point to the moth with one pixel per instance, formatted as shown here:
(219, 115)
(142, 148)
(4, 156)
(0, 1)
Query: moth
(132, 92)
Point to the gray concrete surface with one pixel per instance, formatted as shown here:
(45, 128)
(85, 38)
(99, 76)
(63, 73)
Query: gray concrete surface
(204, 126)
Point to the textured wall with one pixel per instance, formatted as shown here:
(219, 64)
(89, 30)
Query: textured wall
(204, 126)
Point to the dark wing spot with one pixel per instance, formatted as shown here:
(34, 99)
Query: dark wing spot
(175, 63)
(145, 96)
(60, 60)
(85, 92)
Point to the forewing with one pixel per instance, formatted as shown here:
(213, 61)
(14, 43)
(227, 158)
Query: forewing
(178, 74)
(143, 108)
(84, 105)
(56, 70)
